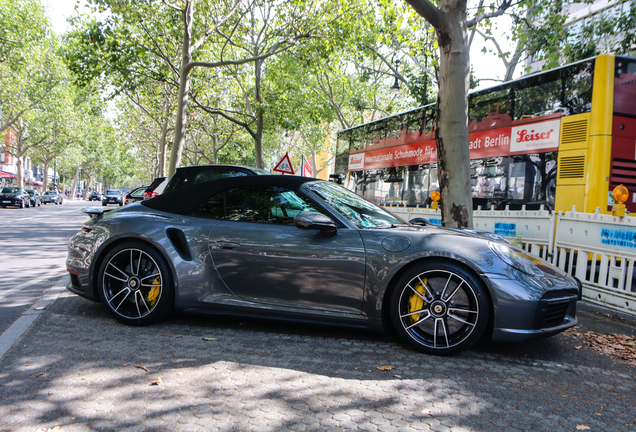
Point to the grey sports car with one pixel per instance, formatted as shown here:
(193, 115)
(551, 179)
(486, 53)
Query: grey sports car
(295, 248)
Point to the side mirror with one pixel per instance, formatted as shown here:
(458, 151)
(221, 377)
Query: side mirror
(316, 221)
(420, 221)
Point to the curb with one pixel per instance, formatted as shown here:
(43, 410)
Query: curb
(22, 324)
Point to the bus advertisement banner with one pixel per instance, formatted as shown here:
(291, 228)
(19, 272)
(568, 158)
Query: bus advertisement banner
(528, 138)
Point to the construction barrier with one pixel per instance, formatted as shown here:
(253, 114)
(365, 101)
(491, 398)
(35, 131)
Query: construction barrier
(599, 250)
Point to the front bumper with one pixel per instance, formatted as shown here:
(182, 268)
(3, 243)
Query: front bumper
(527, 308)
(11, 201)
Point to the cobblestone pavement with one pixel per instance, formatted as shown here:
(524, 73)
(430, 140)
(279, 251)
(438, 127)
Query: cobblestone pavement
(78, 369)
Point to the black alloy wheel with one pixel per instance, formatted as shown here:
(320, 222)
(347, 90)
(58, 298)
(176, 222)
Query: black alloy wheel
(439, 307)
(135, 284)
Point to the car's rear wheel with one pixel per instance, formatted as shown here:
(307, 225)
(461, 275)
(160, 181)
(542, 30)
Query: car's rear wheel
(135, 284)
(22, 204)
(439, 307)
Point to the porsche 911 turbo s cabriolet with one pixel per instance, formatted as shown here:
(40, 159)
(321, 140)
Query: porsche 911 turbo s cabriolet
(295, 248)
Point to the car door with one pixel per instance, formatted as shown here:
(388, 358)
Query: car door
(261, 256)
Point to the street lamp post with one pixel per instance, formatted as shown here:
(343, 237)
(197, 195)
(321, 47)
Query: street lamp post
(396, 85)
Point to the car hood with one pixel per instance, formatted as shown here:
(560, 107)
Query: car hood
(470, 246)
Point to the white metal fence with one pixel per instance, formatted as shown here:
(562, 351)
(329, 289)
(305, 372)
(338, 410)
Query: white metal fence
(598, 249)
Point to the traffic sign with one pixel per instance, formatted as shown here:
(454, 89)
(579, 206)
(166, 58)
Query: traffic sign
(284, 165)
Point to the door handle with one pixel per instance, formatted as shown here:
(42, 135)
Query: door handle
(227, 245)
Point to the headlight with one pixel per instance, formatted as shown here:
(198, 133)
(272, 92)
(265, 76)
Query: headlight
(513, 259)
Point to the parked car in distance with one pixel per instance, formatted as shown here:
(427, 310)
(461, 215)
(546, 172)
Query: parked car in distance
(95, 196)
(297, 248)
(53, 197)
(113, 196)
(14, 196)
(156, 187)
(188, 176)
(36, 198)
(135, 195)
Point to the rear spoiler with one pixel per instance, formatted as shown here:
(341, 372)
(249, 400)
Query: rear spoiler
(97, 212)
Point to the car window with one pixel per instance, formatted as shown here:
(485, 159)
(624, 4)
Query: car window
(191, 176)
(257, 204)
(112, 192)
(363, 213)
(138, 192)
(10, 190)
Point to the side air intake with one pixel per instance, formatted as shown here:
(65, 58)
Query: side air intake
(178, 240)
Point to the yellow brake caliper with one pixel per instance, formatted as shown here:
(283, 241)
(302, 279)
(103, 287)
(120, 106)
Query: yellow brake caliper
(416, 302)
(154, 291)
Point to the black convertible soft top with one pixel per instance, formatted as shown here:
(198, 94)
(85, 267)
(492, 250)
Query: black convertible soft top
(182, 201)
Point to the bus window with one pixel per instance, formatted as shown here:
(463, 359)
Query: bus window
(577, 87)
(538, 96)
(482, 105)
(358, 138)
(517, 183)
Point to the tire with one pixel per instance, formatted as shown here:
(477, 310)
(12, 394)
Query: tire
(453, 303)
(22, 204)
(135, 284)
(103, 204)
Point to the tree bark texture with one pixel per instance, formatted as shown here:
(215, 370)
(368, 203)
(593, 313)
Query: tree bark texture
(184, 88)
(258, 137)
(451, 132)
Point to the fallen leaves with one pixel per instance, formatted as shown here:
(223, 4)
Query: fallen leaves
(613, 344)
(209, 339)
(386, 368)
(156, 382)
(582, 427)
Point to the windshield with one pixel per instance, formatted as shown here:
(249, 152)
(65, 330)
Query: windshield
(50, 193)
(30, 192)
(363, 213)
(112, 192)
(10, 190)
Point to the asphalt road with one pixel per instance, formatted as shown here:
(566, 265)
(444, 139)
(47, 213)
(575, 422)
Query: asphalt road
(33, 248)
(77, 369)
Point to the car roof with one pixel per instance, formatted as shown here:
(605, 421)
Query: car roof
(183, 200)
(204, 167)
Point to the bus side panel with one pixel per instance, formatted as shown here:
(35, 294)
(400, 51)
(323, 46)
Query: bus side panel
(624, 158)
(568, 196)
(600, 142)
(572, 162)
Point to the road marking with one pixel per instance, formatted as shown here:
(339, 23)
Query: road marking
(22, 324)
(32, 282)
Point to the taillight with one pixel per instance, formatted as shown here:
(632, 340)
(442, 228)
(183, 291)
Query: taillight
(86, 229)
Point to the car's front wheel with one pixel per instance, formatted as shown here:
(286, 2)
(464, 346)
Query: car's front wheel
(135, 284)
(439, 307)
